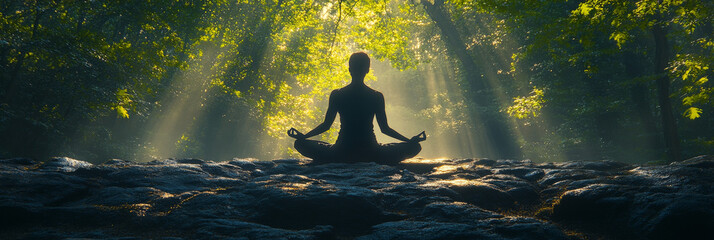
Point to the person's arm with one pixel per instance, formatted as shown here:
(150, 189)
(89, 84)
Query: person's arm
(382, 120)
(329, 118)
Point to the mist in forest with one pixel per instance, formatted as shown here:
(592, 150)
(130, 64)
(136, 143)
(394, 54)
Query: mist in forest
(218, 80)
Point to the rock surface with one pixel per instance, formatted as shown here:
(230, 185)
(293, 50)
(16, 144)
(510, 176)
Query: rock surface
(291, 199)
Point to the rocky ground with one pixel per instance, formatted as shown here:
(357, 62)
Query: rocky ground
(419, 199)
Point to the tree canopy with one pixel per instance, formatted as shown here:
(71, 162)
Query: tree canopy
(546, 80)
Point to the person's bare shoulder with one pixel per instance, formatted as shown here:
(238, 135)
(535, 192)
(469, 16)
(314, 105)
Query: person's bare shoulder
(374, 92)
(335, 95)
(343, 89)
(377, 94)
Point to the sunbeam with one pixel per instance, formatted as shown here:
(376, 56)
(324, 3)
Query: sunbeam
(181, 107)
(225, 79)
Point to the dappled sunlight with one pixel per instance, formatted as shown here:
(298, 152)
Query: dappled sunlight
(427, 160)
(445, 169)
(162, 194)
(162, 205)
(459, 182)
(297, 184)
(297, 188)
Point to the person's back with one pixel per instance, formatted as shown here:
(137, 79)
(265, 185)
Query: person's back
(358, 105)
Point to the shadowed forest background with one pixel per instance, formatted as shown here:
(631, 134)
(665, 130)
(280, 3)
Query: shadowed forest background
(216, 79)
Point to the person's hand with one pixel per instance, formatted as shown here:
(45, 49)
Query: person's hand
(419, 137)
(294, 133)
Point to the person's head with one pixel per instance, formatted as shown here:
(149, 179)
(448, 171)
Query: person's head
(359, 64)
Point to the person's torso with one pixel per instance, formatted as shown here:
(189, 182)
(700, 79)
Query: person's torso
(357, 106)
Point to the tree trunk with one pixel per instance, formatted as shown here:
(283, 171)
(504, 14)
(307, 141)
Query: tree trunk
(453, 41)
(640, 97)
(503, 144)
(669, 125)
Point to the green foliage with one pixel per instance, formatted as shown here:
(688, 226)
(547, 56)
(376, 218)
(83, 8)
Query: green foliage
(123, 99)
(593, 60)
(696, 90)
(67, 64)
(692, 113)
(526, 107)
(99, 79)
(387, 29)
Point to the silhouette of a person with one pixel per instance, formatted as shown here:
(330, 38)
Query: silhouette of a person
(357, 105)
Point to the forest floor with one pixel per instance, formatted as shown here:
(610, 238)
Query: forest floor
(418, 199)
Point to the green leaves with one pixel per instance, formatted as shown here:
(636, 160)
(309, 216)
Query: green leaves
(620, 38)
(702, 81)
(65, 65)
(123, 99)
(585, 9)
(528, 106)
(692, 113)
(90, 61)
(121, 112)
(696, 91)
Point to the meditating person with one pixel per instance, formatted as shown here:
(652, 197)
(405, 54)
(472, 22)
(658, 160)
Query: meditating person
(357, 105)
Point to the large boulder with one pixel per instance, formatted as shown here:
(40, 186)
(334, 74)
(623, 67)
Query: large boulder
(293, 199)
